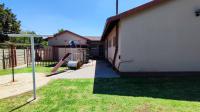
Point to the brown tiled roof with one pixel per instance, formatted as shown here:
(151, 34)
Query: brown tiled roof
(47, 38)
(111, 22)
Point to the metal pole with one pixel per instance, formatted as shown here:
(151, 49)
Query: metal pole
(117, 7)
(33, 66)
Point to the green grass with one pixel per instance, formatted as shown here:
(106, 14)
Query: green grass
(111, 95)
(39, 69)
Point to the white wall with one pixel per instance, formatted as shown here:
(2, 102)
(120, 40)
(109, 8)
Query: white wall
(111, 49)
(60, 39)
(165, 38)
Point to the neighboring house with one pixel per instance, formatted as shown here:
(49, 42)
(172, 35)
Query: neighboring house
(159, 36)
(61, 40)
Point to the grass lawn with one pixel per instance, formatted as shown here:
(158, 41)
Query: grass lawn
(111, 95)
(46, 70)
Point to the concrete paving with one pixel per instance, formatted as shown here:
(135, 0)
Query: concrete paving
(21, 66)
(94, 69)
(23, 83)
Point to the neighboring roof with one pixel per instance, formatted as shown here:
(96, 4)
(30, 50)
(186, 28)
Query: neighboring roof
(112, 21)
(66, 31)
(46, 39)
(93, 38)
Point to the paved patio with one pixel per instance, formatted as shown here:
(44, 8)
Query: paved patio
(94, 69)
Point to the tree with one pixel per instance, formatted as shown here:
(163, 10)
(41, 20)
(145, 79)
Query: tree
(38, 40)
(61, 30)
(3, 38)
(8, 22)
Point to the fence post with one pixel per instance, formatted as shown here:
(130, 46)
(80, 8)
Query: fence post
(27, 59)
(15, 56)
(12, 61)
(24, 57)
(4, 66)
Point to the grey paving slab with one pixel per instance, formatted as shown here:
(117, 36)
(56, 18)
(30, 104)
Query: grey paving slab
(94, 69)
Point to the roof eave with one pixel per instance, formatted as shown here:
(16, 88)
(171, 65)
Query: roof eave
(110, 23)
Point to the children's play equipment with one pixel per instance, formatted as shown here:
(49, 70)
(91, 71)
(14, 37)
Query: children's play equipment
(73, 59)
(61, 62)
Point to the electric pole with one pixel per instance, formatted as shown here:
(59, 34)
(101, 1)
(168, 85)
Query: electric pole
(117, 7)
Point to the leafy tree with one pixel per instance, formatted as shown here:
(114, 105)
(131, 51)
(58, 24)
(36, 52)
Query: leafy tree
(8, 22)
(3, 38)
(38, 40)
(61, 30)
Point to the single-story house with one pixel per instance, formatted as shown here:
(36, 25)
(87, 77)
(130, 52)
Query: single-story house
(60, 41)
(159, 36)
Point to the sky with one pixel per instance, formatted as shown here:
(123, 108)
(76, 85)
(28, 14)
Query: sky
(84, 17)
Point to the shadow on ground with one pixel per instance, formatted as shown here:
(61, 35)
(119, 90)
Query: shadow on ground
(175, 88)
(21, 106)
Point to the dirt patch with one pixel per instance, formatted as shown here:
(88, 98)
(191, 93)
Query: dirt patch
(23, 83)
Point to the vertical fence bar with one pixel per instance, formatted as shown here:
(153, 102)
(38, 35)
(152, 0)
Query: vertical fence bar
(35, 56)
(49, 56)
(27, 57)
(41, 57)
(15, 56)
(4, 66)
(44, 57)
(12, 64)
(24, 56)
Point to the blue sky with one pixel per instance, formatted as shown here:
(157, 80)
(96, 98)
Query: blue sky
(85, 17)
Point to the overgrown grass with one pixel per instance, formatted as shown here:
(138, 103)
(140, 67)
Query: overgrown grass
(39, 69)
(102, 95)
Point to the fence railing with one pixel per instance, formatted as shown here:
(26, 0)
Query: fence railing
(12, 57)
(79, 54)
(43, 56)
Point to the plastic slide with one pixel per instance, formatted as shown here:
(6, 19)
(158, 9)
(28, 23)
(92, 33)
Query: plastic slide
(61, 62)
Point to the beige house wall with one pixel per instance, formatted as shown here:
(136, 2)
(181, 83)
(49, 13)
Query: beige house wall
(111, 49)
(60, 39)
(165, 38)
(105, 49)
